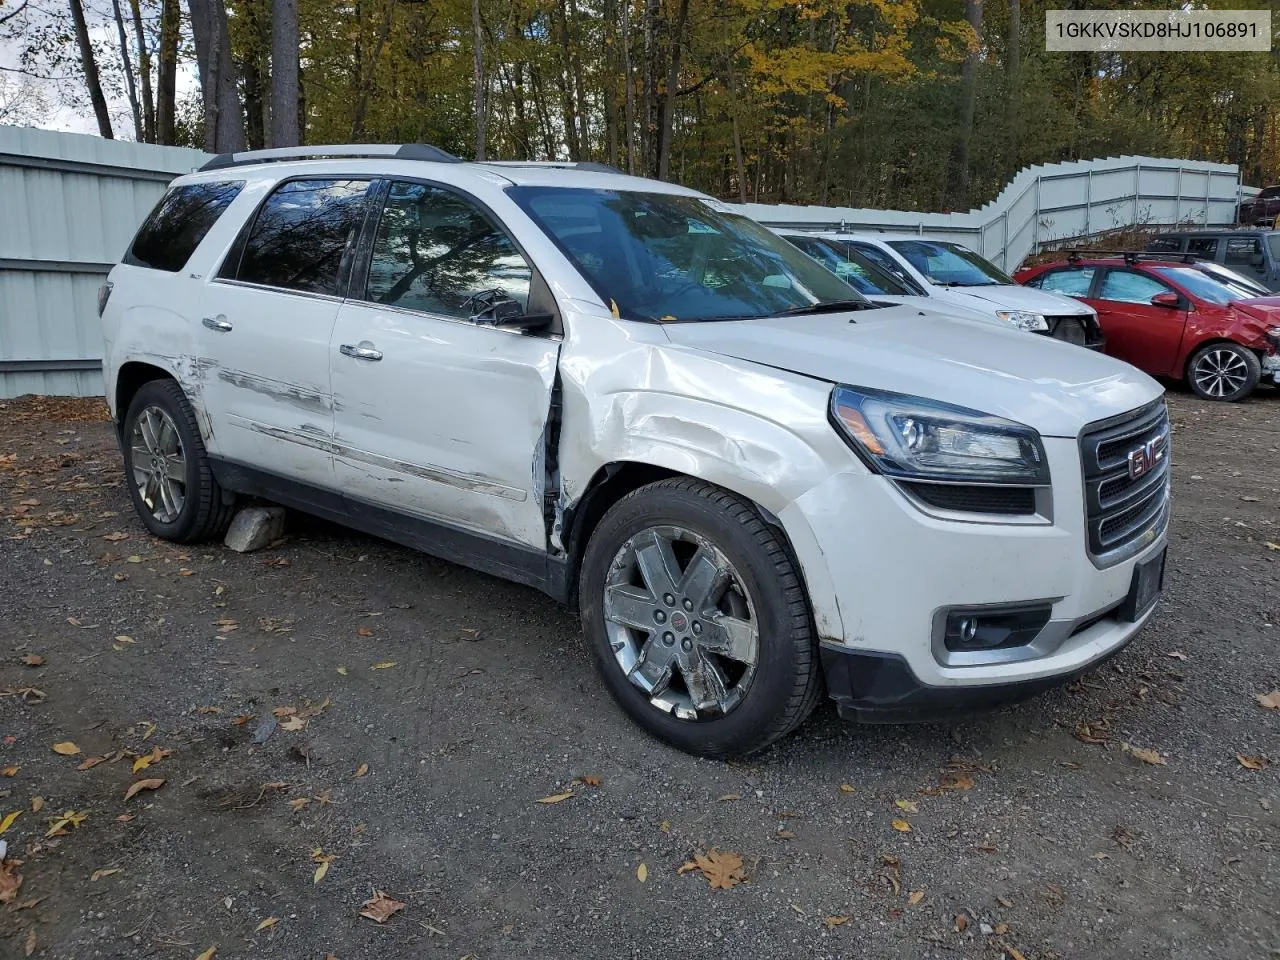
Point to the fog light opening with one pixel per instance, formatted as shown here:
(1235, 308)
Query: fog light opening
(994, 629)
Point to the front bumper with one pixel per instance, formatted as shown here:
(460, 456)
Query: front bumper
(881, 574)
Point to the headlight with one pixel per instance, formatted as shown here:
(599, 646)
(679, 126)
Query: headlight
(1024, 320)
(921, 439)
(1274, 334)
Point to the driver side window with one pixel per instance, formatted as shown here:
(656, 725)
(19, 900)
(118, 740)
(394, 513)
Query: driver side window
(1129, 286)
(439, 253)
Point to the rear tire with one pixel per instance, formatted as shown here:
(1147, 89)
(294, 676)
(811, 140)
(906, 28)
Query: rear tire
(1224, 371)
(719, 658)
(167, 467)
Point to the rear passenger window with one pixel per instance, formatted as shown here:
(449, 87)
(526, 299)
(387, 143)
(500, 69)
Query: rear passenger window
(1203, 246)
(304, 235)
(1073, 281)
(178, 223)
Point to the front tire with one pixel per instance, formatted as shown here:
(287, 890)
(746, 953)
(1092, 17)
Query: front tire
(167, 467)
(1224, 371)
(697, 619)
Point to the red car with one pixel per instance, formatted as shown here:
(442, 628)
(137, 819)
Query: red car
(1170, 319)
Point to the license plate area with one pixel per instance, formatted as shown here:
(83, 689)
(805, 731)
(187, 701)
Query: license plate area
(1148, 581)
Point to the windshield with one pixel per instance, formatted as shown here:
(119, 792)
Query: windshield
(1244, 287)
(659, 256)
(1199, 284)
(949, 264)
(840, 257)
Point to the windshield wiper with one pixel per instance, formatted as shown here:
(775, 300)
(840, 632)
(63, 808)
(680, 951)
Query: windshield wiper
(827, 306)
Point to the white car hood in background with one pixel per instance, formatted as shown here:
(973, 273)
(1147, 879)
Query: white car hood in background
(1004, 296)
(1052, 386)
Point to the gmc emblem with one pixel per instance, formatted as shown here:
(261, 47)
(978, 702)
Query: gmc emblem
(1144, 459)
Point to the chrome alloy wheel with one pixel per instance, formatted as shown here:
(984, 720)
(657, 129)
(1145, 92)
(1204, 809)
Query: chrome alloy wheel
(1220, 373)
(159, 464)
(681, 623)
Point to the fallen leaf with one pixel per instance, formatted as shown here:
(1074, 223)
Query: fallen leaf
(1248, 762)
(722, 870)
(1272, 546)
(556, 797)
(90, 762)
(846, 788)
(293, 724)
(142, 762)
(591, 781)
(962, 922)
(30, 946)
(384, 665)
(33, 660)
(37, 804)
(10, 771)
(208, 954)
(101, 874)
(1007, 904)
(124, 638)
(380, 907)
(241, 719)
(139, 785)
(266, 924)
(730, 796)
(686, 867)
(69, 819)
(915, 897)
(1176, 655)
(642, 873)
(342, 671)
(298, 803)
(908, 805)
(956, 780)
(360, 771)
(1014, 952)
(364, 632)
(323, 859)
(833, 922)
(151, 728)
(66, 748)
(1146, 756)
(10, 881)
(1086, 734)
(116, 537)
(124, 818)
(1268, 701)
(7, 822)
(665, 826)
(901, 826)
(785, 835)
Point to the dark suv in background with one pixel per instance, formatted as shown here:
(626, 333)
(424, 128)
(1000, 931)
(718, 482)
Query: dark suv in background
(1253, 253)
(1262, 209)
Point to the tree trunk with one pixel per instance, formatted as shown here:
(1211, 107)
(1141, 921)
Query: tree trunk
(959, 192)
(610, 80)
(1013, 83)
(629, 93)
(284, 74)
(167, 74)
(565, 76)
(131, 87)
(649, 100)
(90, 67)
(370, 73)
(223, 116)
(477, 30)
(737, 137)
(144, 74)
(578, 76)
(669, 98)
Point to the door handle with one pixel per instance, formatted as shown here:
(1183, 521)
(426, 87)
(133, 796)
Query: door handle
(363, 350)
(219, 323)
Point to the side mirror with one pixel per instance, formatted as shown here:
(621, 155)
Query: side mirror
(1166, 299)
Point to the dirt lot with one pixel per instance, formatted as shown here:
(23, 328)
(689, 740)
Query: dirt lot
(424, 710)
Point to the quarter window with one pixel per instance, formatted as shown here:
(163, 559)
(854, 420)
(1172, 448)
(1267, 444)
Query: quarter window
(439, 253)
(303, 236)
(1203, 246)
(1073, 281)
(1242, 251)
(1126, 286)
(178, 223)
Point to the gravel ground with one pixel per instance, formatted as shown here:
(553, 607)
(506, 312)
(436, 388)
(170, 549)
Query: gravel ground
(411, 714)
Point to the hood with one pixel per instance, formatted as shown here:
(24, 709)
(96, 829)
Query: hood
(943, 307)
(1052, 386)
(1001, 296)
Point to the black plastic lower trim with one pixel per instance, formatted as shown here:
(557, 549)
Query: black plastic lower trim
(873, 687)
(510, 561)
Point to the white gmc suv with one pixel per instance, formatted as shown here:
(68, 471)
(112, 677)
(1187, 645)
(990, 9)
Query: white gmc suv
(752, 482)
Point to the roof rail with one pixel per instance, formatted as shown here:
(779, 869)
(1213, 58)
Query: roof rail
(591, 166)
(402, 151)
(1132, 256)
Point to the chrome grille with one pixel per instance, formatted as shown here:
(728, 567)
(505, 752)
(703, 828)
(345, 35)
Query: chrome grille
(1123, 512)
